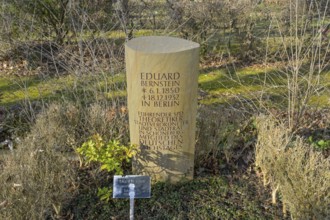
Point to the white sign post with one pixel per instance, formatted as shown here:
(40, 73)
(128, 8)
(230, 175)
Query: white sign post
(131, 200)
(132, 187)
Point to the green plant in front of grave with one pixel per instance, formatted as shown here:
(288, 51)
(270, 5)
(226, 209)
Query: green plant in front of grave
(111, 155)
(104, 193)
(319, 144)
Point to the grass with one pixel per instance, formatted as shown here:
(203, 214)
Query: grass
(230, 83)
(292, 167)
(14, 90)
(224, 84)
(235, 199)
(221, 85)
(320, 100)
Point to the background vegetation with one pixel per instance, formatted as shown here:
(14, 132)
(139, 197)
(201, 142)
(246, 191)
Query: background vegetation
(263, 125)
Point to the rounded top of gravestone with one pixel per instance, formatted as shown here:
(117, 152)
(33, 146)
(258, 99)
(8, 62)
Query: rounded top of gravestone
(160, 44)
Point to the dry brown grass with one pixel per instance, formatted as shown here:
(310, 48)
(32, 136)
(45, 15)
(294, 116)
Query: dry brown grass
(38, 177)
(65, 126)
(56, 127)
(292, 167)
(220, 137)
(109, 122)
(35, 181)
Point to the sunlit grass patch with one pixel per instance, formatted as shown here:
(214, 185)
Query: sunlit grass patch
(225, 84)
(116, 94)
(116, 34)
(322, 98)
(221, 85)
(16, 89)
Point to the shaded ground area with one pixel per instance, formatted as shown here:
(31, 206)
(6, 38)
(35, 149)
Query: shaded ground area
(232, 196)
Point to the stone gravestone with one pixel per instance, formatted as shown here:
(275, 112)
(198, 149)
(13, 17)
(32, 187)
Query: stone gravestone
(162, 75)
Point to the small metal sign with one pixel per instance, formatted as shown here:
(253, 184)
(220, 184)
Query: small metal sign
(121, 189)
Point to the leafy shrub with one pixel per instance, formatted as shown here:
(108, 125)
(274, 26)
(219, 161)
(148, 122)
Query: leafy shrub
(111, 156)
(319, 144)
(289, 165)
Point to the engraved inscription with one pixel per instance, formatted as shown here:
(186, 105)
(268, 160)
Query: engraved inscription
(160, 130)
(160, 90)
